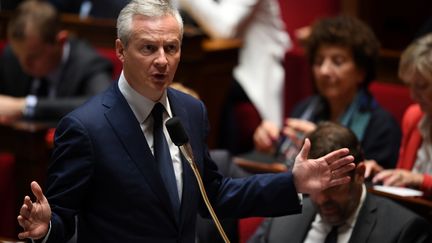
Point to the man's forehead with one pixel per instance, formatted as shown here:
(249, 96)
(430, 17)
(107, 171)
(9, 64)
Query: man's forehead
(153, 30)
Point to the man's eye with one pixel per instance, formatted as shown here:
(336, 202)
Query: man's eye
(171, 49)
(148, 48)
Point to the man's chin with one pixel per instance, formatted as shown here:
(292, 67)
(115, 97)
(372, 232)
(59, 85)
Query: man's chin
(332, 219)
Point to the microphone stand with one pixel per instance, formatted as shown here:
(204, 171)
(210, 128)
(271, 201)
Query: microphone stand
(189, 157)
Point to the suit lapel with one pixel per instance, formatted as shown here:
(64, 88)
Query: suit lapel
(365, 222)
(127, 128)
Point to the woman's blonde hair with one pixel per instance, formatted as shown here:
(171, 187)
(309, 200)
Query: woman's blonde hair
(416, 59)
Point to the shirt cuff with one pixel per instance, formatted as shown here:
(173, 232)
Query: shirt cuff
(46, 236)
(300, 198)
(30, 106)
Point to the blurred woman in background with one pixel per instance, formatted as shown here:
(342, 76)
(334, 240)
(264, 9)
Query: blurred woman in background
(343, 52)
(414, 167)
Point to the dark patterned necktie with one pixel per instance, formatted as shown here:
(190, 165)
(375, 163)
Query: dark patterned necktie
(332, 235)
(163, 156)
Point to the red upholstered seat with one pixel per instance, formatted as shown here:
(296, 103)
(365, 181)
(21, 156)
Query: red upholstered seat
(2, 45)
(110, 54)
(395, 98)
(7, 196)
(247, 227)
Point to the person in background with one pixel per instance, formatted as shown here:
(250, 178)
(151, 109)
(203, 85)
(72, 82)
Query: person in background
(345, 213)
(115, 169)
(44, 74)
(108, 9)
(259, 75)
(343, 52)
(414, 167)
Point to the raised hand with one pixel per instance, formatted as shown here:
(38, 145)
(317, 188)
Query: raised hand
(315, 175)
(35, 216)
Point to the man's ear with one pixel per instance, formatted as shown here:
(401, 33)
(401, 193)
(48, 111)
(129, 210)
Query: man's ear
(359, 172)
(120, 50)
(62, 37)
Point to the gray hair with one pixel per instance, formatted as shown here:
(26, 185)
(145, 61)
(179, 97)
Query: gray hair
(417, 59)
(148, 8)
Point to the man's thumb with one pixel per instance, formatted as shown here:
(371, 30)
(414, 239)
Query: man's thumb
(37, 191)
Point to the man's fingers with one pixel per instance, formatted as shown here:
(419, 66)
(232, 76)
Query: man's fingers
(339, 181)
(343, 169)
(304, 152)
(28, 202)
(335, 155)
(341, 163)
(37, 191)
(24, 211)
(24, 235)
(24, 223)
(21, 221)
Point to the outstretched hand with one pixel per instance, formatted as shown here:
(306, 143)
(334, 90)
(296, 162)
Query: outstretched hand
(35, 216)
(315, 175)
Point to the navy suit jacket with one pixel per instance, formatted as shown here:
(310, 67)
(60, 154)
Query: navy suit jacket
(103, 170)
(379, 221)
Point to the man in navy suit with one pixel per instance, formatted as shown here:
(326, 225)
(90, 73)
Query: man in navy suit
(103, 170)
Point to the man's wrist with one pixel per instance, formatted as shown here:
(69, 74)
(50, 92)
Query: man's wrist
(45, 238)
(30, 106)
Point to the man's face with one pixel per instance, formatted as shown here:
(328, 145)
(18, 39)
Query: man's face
(152, 55)
(336, 204)
(36, 57)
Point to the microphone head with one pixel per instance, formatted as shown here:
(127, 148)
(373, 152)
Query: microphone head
(176, 131)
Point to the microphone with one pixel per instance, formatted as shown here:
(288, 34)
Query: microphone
(179, 137)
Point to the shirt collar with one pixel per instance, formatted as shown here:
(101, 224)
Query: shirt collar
(141, 105)
(353, 219)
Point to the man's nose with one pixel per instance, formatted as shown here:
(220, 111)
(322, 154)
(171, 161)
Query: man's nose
(161, 59)
(320, 198)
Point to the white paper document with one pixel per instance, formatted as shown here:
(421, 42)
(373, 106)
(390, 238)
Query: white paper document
(400, 191)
